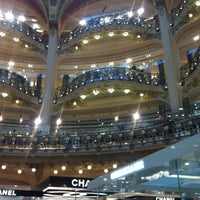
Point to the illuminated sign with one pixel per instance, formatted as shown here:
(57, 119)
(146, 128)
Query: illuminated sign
(81, 183)
(4, 192)
(165, 198)
(127, 169)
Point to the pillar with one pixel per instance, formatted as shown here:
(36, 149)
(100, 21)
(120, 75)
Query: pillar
(171, 56)
(50, 78)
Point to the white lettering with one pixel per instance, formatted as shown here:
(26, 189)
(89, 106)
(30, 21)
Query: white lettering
(7, 193)
(165, 198)
(127, 169)
(75, 182)
(80, 183)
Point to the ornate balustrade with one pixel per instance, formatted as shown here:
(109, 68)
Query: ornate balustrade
(168, 131)
(108, 74)
(18, 82)
(188, 69)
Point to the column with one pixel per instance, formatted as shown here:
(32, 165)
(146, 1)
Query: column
(50, 78)
(171, 55)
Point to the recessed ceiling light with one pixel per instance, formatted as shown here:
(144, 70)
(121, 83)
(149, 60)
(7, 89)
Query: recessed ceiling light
(110, 34)
(85, 41)
(97, 36)
(4, 94)
(195, 38)
(89, 167)
(190, 15)
(83, 96)
(125, 34)
(63, 167)
(111, 90)
(95, 92)
(126, 91)
(197, 3)
(2, 34)
(80, 171)
(19, 171)
(33, 169)
(16, 39)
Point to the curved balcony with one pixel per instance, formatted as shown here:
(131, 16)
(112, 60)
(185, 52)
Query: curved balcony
(18, 82)
(109, 74)
(188, 69)
(167, 131)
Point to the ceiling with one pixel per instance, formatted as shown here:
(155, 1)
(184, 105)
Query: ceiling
(29, 59)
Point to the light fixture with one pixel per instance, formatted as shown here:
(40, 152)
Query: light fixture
(128, 60)
(19, 171)
(74, 103)
(111, 90)
(89, 167)
(111, 34)
(63, 168)
(190, 15)
(55, 171)
(2, 34)
(80, 171)
(36, 26)
(97, 36)
(95, 92)
(1, 117)
(3, 167)
(197, 3)
(85, 41)
(106, 170)
(126, 91)
(138, 36)
(33, 169)
(11, 63)
(9, 16)
(83, 96)
(116, 118)
(26, 45)
(17, 101)
(196, 38)
(141, 94)
(107, 20)
(114, 166)
(186, 163)
(4, 94)
(125, 34)
(16, 39)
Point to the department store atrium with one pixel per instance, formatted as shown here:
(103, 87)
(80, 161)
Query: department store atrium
(87, 86)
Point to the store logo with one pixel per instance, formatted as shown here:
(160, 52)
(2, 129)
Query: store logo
(81, 183)
(7, 192)
(165, 198)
